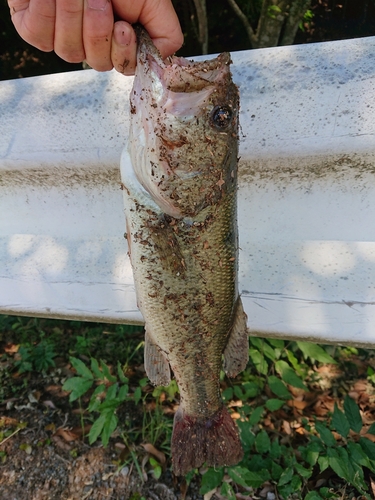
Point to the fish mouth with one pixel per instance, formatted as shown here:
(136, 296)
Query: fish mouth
(178, 74)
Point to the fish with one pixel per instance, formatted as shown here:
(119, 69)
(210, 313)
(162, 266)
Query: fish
(179, 177)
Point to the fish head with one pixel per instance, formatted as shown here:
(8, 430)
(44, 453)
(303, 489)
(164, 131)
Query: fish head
(183, 138)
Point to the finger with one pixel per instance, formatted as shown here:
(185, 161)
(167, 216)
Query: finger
(68, 30)
(163, 26)
(158, 17)
(97, 33)
(124, 48)
(35, 21)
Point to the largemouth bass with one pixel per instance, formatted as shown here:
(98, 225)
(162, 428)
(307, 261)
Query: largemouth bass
(179, 173)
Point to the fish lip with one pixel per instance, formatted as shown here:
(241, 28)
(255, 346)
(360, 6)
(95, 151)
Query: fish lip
(178, 74)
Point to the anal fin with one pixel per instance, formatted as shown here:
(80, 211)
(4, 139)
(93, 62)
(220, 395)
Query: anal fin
(156, 363)
(236, 353)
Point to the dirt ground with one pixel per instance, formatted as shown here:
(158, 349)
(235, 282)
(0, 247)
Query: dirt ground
(44, 458)
(41, 467)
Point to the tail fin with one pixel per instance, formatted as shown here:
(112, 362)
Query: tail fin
(195, 441)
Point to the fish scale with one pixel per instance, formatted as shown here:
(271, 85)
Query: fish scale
(180, 182)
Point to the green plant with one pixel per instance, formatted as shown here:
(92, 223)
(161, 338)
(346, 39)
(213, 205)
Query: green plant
(267, 458)
(262, 396)
(37, 357)
(156, 467)
(350, 454)
(110, 392)
(273, 11)
(306, 20)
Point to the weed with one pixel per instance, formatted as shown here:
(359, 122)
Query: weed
(37, 357)
(111, 391)
(267, 458)
(268, 395)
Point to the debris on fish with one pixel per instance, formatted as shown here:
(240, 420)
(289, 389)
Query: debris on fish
(179, 172)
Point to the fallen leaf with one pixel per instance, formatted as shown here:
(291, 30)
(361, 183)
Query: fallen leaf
(237, 404)
(78, 411)
(336, 435)
(324, 405)
(11, 348)
(67, 434)
(301, 431)
(286, 427)
(183, 488)
(363, 399)
(209, 495)
(361, 386)
(295, 403)
(26, 448)
(60, 443)
(297, 392)
(267, 488)
(372, 482)
(368, 418)
(143, 465)
(49, 404)
(34, 396)
(8, 422)
(120, 446)
(82, 431)
(320, 482)
(354, 395)
(267, 422)
(53, 388)
(122, 450)
(107, 476)
(56, 391)
(156, 453)
(88, 494)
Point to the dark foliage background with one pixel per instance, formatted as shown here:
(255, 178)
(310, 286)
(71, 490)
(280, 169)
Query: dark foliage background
(332, 20)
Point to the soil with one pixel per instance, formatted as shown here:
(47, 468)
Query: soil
(46, 457)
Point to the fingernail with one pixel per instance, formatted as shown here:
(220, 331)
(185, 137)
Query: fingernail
(122, 35)
(97, 4)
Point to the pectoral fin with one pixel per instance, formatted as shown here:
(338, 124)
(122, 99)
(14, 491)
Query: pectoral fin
(236, 353)
(156, 363)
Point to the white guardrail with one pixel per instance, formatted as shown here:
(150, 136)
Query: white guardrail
(306, 197)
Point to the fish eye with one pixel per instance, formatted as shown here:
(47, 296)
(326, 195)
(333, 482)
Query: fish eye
(221, 117)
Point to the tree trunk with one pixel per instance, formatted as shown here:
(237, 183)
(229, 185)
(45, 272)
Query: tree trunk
(271, 22)
(278, 22)
(249, 30)
(200, 7)
(296, 12)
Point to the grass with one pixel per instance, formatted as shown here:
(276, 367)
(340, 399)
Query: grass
(306, 412)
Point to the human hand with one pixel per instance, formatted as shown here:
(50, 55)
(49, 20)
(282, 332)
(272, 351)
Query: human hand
(79, 30)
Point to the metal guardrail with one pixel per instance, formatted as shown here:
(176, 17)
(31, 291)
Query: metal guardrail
(306, 197)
